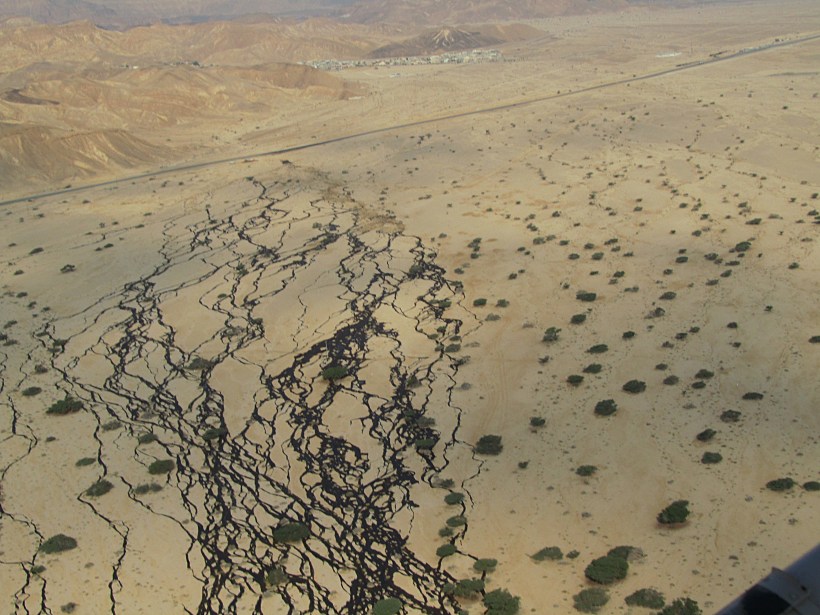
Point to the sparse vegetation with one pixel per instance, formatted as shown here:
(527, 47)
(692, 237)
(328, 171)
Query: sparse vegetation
(147, 488)
(730, 416)
(593, 368)
(598, 349)
(811, 485)
(454, 498)
(706, 435)
(101, 487)
(488, 445)
(485, 565)
(291, 532)
(551, 335)
(780, 484)
(634, 386)
(585, 296)
(69, 405)
(334, 372)
(675, 514)
(646, 598)
(590, 600)
(57, 544)
(31, 391)
(161, 466)
(606, 570)
(537, 421)
(501, 602)
(387, 606)
(548, 553)
(711, 458)
(586, 470)
(681, 606)
(606, 407)
(577, 319)
(446, 550)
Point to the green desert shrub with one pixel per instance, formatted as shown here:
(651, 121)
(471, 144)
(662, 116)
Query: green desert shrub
(704, 374)
(671, 380)
(445, 532)
(161, 466)
(590, 600)
(668, 295)
(586, 296)
(425, 444)
(752, 395)
(706, 435)
(548, 553)
(780, 484)
(606, 407)
(146, 438)
(464, 588)
(446, 550)
(291, 532)
(681, 606)
(214, 433)
(551, 334)
(69, 405)
(85, 461)
(58, 543)
(634, 386)
(598, 349)
(488, 445)
(577, 319)
(480, 302)
(454, 498)
(626, 552)
(593, 368)
(676, 513)
(628, 335)
(387, 606)
(575, 379)
(730, 416)
(586, 470)
(334, 372)
(101, 487)
(31, 391)
(606, 570)
(147, 488)
(456, 521)
(501, 602)
(275, 576)
(198, 364)
(537, 421)
(811, 485)
(485, 565)
(646, 598)
(710, 458)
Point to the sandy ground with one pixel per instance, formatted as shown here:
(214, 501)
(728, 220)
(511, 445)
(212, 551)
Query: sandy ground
(273, 271)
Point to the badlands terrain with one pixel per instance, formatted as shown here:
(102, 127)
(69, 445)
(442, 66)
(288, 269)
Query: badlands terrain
(259, 318)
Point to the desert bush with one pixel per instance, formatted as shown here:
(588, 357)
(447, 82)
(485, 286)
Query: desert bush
(548, 553)
(454, 498)
(780, 484)
(40, 369)
(334, 372)
(730, 416)
(811, 485)
(502, 303)
(586, 296)
(291, 532)
(706, 435)
(147, 488)
(161, 466)
(661, 367)
(85, 461)
(753, 396)
(710, 458)
(457, 521)
(626, 552)
(492, 317)
(31, 391)
(677, 512)
(598, 349)
(681, 606)
(597, 256)
(646, 598)
(699, 384)
(146, 438)
(704, 374)
(743, 246)
(575, 379)
(198, 363)
(488, 445)
(668, 295)
(574, 256)
(628, 335)
(814, 339)
(480, 302)
(590, 600)
(446, 550)
(634, 386)
(577, 319)
(485, 565)
(69, 405)
(464, 588)
(101, 487)
(606, 570)
(387, 606)
(586, 470)
(501, 602)
(606, 407)
(445, 532)
(214, 433)
(671, 380)
(551, 334)
(537, 421)
(111, 425)
(425, 444)
(593, 368)
(57, 544)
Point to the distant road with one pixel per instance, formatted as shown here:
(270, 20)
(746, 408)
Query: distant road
(442, 118)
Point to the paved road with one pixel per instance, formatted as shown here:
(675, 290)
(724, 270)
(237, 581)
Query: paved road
(443, 118)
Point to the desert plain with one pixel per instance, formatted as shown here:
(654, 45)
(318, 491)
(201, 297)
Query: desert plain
(259, 316)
